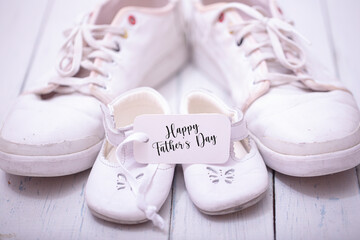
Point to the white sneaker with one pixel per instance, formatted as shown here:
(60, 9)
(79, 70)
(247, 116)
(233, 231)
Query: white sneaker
(56, 130)
(238, 183)
(120, 189)
(304, 123)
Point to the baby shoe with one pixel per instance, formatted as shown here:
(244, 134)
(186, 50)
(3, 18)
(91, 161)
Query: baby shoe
(304, 122)
(119, 189)
(57, 129)
(238, 183)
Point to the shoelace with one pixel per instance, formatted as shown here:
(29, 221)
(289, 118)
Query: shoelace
(120, 139)
(284, 49)
(84, 43)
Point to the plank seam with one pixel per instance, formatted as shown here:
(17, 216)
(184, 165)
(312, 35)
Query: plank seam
(274, 205)
(329, 33)
(171, 206)
(44, 19)
(357, 176)
(178, 83)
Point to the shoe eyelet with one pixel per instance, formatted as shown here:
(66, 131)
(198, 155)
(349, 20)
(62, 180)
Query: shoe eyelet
(132, 20)
(113, 62)
(240, 42)
(221, 17)
(117, 47)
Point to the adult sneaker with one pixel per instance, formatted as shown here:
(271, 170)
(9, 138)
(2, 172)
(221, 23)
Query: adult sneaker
(57, 129)
(304, 122)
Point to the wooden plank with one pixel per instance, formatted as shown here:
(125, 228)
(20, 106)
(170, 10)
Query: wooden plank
(346, 43)
(19, 31)
(187, 222)
(323, 207)
(317, 208)
(55, 208)
(45, 208)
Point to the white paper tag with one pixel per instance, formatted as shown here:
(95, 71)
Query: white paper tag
(183, 139)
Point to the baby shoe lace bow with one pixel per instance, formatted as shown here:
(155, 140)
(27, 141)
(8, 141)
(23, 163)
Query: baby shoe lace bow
(119, 138)
(279, 46)
(83, 44)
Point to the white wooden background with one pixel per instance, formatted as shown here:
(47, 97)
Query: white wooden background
(294, 208)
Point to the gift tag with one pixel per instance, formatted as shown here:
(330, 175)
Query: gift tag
(183, 139)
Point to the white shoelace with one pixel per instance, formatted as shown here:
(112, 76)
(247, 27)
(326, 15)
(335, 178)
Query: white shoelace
(119, 139)
(282, 49)
(84, 43)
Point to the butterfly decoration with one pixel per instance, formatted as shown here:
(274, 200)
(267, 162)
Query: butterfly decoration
(122, 182)
(219, 175)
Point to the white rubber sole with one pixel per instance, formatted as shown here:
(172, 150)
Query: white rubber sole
(310, 165)
(49, 166)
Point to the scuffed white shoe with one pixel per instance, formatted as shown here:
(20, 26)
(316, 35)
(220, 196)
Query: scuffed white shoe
(119, 189)
(238, 183)
(304, 122)
(56, 130)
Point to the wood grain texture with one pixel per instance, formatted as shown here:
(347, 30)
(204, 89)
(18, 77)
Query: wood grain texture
(55, 208)
(325, 207)
(317, 208)
(19, 31)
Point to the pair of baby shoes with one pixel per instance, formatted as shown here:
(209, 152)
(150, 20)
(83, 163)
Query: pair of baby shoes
(122, 189)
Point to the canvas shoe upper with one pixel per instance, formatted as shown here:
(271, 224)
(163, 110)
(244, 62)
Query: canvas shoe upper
(305, 122)
(119, 189)
(56, 129)
(239, 182)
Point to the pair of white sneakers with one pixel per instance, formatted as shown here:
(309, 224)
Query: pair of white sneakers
(120, 189)
(304, 122)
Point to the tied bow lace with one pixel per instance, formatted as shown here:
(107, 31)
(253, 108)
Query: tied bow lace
(84, 43)
(279, 46)
(121, 138)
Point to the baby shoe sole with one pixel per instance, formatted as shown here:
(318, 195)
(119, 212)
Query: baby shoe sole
(236, 208)
(310, 165)
(49, 166)
(109, 219)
